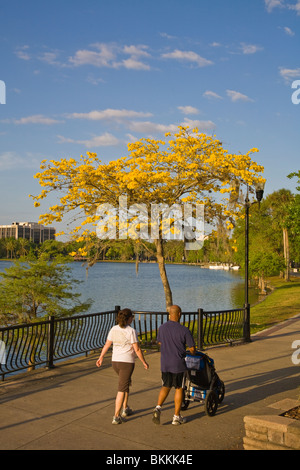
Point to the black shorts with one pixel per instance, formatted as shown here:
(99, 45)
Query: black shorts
(172, 380)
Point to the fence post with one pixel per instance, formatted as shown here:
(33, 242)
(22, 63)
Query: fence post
(117, 309)
(50, 343)
(246, 328)
(200, 329)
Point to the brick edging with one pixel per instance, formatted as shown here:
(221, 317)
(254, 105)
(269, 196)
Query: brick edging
(271, 433)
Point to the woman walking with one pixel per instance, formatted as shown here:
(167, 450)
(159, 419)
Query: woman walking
(125, 344)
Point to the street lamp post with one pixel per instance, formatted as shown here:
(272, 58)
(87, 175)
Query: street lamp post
(259, 189)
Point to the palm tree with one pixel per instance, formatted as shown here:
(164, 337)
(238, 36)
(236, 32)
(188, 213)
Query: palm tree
(23, 246)
(279, 202)
(10, 245)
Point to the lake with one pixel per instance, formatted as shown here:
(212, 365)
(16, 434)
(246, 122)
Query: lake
(115, 283)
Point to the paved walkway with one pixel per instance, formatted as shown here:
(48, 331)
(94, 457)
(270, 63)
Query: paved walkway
(71, 406)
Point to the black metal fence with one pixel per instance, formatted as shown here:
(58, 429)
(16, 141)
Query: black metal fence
(29, 346)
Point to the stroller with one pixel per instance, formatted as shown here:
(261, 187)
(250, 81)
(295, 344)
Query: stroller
(202, 384)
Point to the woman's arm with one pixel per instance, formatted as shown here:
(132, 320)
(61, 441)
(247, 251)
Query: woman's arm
(103, 352)
(140, 355)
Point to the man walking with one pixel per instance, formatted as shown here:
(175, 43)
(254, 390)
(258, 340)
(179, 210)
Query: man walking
(173, 339)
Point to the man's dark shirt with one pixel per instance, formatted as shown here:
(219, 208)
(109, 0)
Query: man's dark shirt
(174, 338)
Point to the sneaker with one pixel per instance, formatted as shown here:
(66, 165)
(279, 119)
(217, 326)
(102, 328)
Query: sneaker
(178, 420)
(117, 420)
(156, 416)
(126, 412)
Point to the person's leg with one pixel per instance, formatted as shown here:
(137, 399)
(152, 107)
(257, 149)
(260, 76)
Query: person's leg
(125, 382)
(119, 403)
(177, 418)
(163, 394)
(178, 400)
(125, 401)
(125, 371)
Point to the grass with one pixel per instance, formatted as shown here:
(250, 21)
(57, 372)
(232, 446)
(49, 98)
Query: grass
(282, 303)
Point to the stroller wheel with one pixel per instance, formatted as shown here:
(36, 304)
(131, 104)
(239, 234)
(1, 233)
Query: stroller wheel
(221, 391)
(211, 403)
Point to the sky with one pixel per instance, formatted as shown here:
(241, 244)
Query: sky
(93, 76)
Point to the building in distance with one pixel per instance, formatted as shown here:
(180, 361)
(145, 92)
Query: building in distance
(30, 230)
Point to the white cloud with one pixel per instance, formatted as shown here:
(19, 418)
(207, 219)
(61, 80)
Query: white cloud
(212, 94)
(36, 119)
(188, 110)
(22, 53)
(237, 96)
(289, 74)
(295, 7)
(110, 55)
(271, 4)
(147, 127)
(167, 36)
(250, 48)
(134, 64)
(288, 31)
(115, 114)
(103, 140)
(50, 58)
(201, 125)
(136, 51)
(102, 57)
(188, 56)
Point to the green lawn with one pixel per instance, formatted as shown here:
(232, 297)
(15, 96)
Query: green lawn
(282, 303)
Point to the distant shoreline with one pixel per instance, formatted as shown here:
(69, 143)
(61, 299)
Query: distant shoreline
(217, 265)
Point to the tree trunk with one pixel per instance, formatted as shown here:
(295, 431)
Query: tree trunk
(163, 273)
(261, 284)
(286, 254)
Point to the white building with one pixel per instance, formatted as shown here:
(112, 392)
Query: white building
(29, 230)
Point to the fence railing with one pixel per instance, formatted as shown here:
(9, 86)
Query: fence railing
(29, 346)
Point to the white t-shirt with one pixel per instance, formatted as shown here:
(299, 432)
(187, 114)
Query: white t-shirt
(123, 339)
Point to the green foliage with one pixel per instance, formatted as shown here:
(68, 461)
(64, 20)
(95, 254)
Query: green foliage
(293, 226)
(265, 250)
(32, 290)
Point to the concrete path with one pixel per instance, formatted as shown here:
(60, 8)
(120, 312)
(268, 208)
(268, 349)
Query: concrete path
(71, 406)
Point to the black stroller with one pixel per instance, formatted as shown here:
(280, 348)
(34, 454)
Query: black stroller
(202, 384)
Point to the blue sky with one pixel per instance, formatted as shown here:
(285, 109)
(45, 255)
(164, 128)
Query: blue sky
(95, 75)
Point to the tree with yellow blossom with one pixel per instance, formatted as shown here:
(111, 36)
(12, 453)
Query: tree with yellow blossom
(192, 168)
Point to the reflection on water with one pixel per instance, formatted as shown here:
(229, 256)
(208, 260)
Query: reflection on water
(111, 284)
